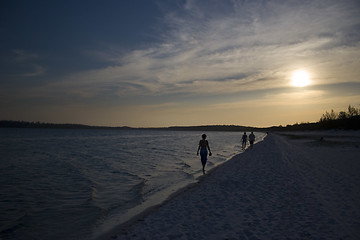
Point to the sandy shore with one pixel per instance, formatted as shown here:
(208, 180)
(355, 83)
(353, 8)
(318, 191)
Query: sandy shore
(290, 186)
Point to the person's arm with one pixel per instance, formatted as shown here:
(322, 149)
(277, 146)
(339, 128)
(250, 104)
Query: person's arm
(207, 144)
(198, 149)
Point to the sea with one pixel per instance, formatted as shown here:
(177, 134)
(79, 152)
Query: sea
(80, 183)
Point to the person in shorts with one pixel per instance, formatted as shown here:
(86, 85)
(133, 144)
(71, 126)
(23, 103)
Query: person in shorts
(203, 147)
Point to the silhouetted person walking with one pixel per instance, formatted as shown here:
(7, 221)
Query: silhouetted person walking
(203, 147)
(244, 140)
(251, 138)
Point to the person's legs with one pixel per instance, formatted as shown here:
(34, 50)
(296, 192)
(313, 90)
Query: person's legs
(203, 154)
(203, 165)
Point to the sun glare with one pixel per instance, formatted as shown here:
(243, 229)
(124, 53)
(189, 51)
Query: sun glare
(300, 78)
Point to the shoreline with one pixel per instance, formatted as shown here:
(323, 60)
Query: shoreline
(125, 226)
(284, 188)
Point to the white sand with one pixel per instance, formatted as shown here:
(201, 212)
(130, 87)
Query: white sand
(284, 188)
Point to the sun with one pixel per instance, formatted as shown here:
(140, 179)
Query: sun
(300, 78)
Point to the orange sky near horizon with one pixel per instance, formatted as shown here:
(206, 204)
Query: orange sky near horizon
(178, 63)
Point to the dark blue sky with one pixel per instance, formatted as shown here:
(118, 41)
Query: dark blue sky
(61, 32)
(177, 62)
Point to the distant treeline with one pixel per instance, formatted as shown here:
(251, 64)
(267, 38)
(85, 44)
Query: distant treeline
(23, 124)
(347, 120)
(231, 128)
(352, 123)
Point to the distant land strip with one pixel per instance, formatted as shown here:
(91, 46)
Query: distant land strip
(346, 124)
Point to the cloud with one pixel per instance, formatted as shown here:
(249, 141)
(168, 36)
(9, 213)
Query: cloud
(36, 71)
(21, 55)
(229, 46)
(21, 63)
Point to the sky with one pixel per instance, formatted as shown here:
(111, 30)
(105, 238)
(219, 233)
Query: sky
(159, 63)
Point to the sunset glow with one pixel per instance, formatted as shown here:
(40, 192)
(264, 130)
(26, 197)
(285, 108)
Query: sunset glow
(164, 63)
(300, 78)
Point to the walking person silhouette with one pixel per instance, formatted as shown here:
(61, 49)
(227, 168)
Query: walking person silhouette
(251, 139)
(244, 140)
(203, 147)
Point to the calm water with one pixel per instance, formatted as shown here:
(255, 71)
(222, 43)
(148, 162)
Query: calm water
(76, 184)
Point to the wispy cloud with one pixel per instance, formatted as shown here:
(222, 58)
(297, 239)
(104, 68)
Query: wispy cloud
(229, 46)
(26, 65)
(232, 57)
(21, 55)
(208, 50)
(35, 71)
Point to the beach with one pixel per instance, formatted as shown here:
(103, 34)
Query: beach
(290, 186)
(81, 183)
